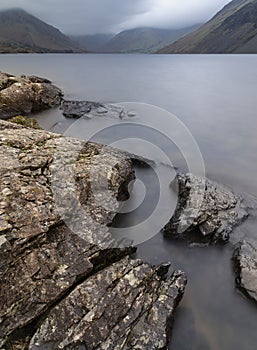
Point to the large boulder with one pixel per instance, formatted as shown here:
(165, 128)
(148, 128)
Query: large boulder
(206, 211)
(65, 282)
(245, 259)
(25, 95)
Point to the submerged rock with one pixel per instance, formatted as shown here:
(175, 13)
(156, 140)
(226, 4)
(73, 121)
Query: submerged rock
(65, 282)
(206, 212)
(26, 94)
(89, 110)
(245, 259)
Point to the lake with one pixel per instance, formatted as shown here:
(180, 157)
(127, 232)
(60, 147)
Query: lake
(215, 96)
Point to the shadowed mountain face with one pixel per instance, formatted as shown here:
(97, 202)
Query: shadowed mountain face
(232, 30)
(143, 39)
(21, 32)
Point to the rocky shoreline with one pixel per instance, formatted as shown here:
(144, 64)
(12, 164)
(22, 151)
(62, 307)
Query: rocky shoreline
(65, 282)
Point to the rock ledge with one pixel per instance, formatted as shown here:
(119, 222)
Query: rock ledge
(65, 283)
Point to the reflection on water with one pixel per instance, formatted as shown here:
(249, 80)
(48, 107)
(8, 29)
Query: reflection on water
(215, 96)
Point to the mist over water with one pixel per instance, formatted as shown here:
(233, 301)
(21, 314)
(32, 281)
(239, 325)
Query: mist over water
(215, 97)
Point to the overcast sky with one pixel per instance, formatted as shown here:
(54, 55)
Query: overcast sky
(99, 16)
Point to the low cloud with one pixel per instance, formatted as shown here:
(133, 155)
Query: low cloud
(99, 16)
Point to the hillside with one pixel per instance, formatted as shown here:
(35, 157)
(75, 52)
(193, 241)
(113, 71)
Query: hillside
(143, 40)
(22, 32)
(232, 30)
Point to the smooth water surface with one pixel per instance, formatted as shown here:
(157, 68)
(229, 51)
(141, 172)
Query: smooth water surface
(216, 98)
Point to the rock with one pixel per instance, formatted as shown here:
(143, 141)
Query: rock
(25, 121)
(4, 244)
(206, 212)
(136, 321)
(245, 259)
(35, 79)
(89, 110)
(24, 95)
(65, 281)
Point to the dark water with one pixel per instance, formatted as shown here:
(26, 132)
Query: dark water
(216, 98)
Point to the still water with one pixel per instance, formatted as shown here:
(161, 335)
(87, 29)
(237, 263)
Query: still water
(216, 98)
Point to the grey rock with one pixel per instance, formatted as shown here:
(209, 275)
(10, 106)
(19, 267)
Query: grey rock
(4, 244)
(89, 110)
(135, 322)
(25, 95)
(245, 259)
(65, 281)
(206, 211)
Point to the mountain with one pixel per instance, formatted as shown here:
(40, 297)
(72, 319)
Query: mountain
(231, 30)
(22, 32)
(145, 40)
(91, 42)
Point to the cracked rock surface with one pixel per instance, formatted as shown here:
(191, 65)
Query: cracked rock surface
(206, 211)
(130, 295)
(245, 259)
(26, 94)
(65, 283)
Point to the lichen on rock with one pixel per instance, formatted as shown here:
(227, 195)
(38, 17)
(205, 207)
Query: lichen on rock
(25, 121)
(206, 211)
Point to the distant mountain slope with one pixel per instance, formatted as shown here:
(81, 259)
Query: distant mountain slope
(21, 32)
(231, 30)
(144, 40)
(92, 42)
